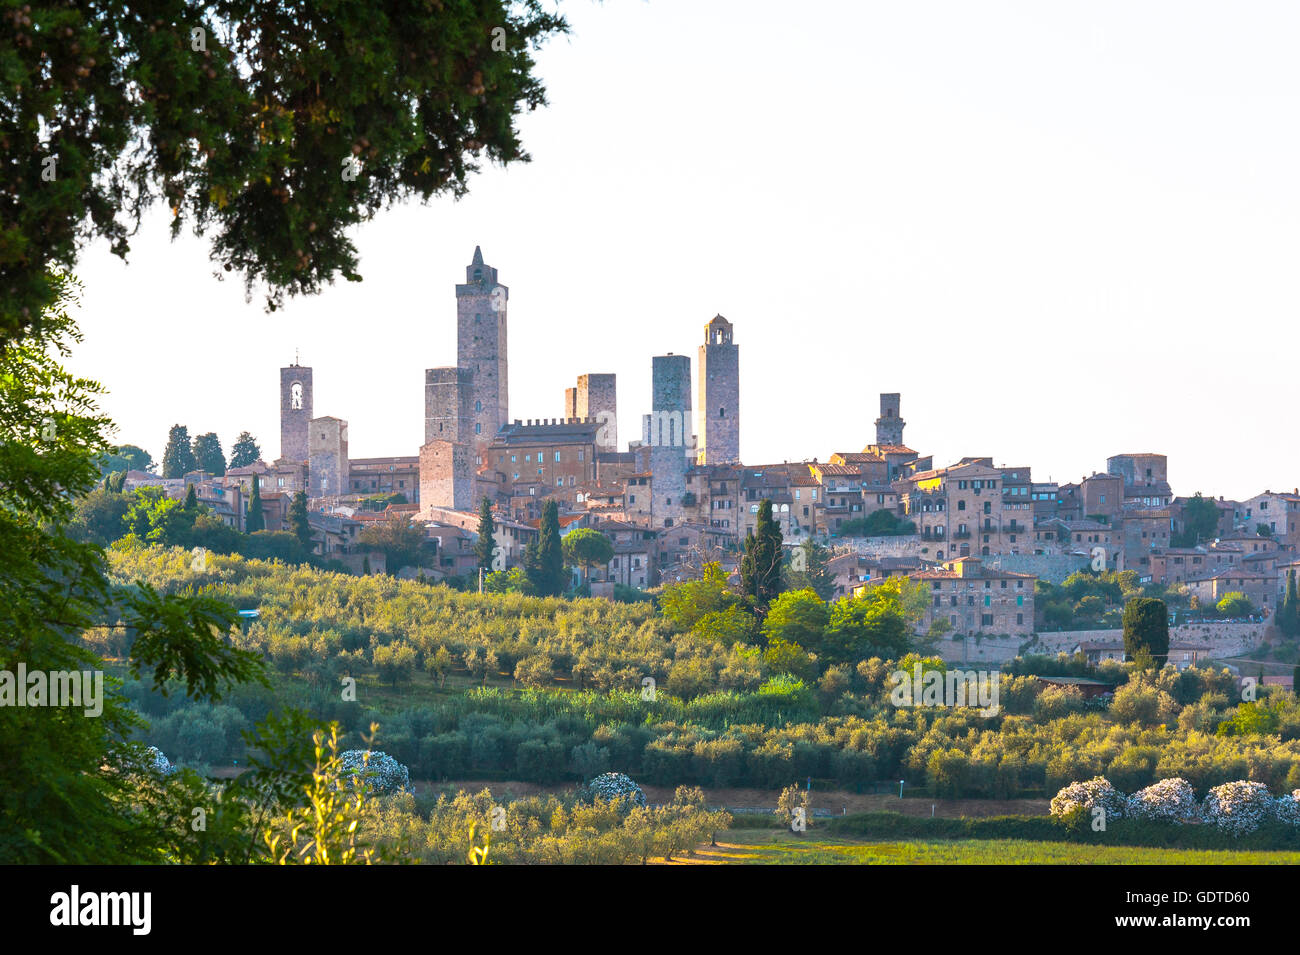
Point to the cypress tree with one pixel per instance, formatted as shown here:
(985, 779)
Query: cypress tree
(178, 458)
(298, 521)
(1288, 615)
(485, 546)
(191, 498)
(255, 521)
(1146, 629)
(760, 568)
(550, 553)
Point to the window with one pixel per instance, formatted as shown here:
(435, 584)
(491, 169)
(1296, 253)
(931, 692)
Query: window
(557, 457)
(478, 428)
(478, 406)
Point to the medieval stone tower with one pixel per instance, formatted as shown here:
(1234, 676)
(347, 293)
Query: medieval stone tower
(667, 430)
(448, 405)
(295, 411)
(596, 397)
(328, 457)
(719, 395)
(889, 426)
(481, 349)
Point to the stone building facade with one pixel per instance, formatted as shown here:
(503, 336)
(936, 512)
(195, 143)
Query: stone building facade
(446, 476)
(552, 453)
(328, 457)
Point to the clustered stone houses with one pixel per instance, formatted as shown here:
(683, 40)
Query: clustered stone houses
(679, 495)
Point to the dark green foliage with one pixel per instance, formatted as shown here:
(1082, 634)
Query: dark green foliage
(380, 502)
(191, 498)
(246, 138)
(402, 541)
(485, 546)
(244, 451)
(760, 568)
(99, 517)
(545, 564)
(127, 457)
(255, 519)
(880, 523)
(178, 458)
(298, 522)
(1287, 619)
(1200, 522)
(208, 454)
(1146, 629)
(807, 569)
(587, 548)
(74, 789)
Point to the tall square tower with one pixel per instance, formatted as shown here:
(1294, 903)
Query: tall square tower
(596, 397)
(719, 395)
(295, 411)
(481, 349)
(328, 450)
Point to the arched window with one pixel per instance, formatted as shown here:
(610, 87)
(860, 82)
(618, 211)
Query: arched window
(295, 396)
(478, 406)
(722, 412)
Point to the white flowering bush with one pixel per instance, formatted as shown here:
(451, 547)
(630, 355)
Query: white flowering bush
(1169, 800)
(155, 760)
(1239, 807)
(1089, 795)
(614, 786)
(381, 773)
(1287, 808)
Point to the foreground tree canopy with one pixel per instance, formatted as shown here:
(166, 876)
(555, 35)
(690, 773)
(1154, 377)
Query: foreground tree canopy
(273, 127)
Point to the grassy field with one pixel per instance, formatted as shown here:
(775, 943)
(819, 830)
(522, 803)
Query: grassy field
(765, 847)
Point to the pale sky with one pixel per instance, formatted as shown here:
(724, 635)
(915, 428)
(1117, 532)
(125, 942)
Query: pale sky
(1063, 231)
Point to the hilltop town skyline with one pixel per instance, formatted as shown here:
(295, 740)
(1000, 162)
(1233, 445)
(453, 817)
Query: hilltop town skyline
(384, 437)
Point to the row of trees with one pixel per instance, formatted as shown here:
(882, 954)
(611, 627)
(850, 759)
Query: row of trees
(544, 565)
(108, 514)
(204, 453)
